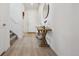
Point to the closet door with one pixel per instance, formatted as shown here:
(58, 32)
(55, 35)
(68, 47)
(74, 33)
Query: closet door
(4, 27)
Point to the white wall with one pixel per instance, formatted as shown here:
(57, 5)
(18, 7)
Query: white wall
(41, 14)
(16, 10)
(4, 30)
(31, 20)
(64, 19)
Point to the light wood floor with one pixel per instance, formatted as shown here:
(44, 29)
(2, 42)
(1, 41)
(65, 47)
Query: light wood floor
(28, 46)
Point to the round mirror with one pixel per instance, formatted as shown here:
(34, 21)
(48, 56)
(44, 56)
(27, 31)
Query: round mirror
(45, 10)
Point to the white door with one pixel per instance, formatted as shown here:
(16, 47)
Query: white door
(4, 27)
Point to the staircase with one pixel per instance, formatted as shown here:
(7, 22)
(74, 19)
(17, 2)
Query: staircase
(13, 37)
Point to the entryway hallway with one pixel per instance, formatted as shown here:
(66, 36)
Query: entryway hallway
(28, 46)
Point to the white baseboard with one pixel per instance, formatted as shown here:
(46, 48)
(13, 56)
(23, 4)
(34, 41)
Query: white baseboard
(53, 49)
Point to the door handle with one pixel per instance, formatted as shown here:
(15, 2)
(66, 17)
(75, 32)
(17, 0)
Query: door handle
(4, 24)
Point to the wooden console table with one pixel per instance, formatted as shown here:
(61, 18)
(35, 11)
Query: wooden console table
(42, 30)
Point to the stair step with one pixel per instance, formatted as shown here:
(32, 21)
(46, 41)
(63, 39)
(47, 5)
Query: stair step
(13, 39)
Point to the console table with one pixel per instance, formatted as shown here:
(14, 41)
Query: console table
(42, 30)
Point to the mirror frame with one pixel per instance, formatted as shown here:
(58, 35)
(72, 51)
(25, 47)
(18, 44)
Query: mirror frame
(47, 12)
